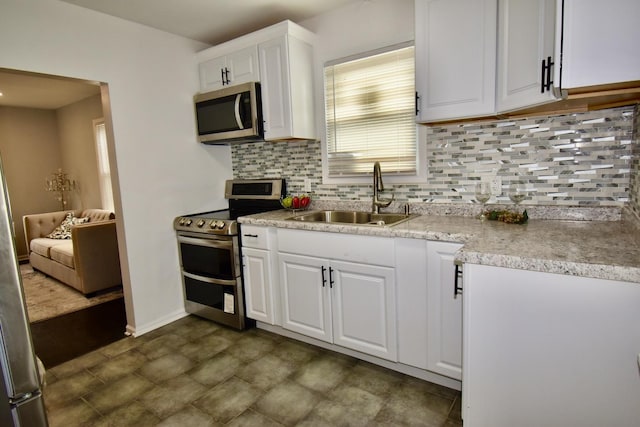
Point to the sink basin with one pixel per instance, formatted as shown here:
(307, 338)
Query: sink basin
(352, 217)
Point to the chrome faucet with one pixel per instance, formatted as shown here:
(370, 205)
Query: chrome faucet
(378, 186)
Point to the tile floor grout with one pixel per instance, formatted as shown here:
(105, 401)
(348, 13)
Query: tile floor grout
(196, 373)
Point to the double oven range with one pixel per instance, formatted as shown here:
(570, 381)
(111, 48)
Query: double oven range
(209, 251)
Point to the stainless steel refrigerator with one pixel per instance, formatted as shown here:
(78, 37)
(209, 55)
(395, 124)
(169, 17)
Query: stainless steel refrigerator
(21, 402)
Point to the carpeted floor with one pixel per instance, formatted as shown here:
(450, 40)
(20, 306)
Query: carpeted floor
(47, 298)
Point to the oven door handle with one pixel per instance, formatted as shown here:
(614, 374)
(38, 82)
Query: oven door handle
(210, 243)
(209, 279)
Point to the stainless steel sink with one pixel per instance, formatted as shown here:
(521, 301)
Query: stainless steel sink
(352, 217)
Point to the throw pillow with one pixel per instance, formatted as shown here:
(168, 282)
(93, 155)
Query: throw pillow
(63, 231)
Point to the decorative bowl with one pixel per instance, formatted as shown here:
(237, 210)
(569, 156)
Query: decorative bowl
(293, 202)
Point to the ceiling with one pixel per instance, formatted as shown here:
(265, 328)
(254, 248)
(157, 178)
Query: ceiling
(212, 21)
(31, 90)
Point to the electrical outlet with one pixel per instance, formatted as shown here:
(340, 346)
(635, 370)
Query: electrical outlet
(496, 186)
(307, 185)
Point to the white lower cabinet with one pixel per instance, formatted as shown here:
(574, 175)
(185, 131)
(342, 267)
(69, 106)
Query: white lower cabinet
(392, 298)
(257, 284)
(351, 304)
(363, 307)
(306, 305)
(344, 303)
(429, 315)
(444, 311)
(545, 349)
(259, 268)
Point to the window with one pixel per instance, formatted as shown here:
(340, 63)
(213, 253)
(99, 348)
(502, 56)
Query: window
(370, 114)
(104, 172)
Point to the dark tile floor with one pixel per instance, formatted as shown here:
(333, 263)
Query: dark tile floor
(196, 373)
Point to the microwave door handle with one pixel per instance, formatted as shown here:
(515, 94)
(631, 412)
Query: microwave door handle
(237, 111)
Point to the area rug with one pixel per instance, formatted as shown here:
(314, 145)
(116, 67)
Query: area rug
(46, 297)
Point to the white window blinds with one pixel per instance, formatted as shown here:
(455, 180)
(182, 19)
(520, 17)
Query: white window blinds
(104, 171)
(370, 114)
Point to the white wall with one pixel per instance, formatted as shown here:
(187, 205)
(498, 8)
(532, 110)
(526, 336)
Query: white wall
(162, 171)
(360, 27)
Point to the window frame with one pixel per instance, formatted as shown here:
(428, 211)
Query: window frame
(104, 179)
(421, 164)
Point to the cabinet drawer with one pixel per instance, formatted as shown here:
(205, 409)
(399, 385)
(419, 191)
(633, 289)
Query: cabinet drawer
(253, 236)
(345, 247)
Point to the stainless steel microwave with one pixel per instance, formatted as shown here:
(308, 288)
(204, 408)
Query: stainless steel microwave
(230, 115)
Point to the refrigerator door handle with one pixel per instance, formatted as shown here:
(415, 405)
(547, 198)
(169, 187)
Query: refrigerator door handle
(17, 400)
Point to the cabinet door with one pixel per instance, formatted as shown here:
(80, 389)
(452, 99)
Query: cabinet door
(212, 74)
(546, 349)
(363, 303)
(600, 42)
(306, 301)
(526, 34)
(276, 97)
(258, 292)
(411, 296)
(243, 66)
(444, 312)
(455, 58)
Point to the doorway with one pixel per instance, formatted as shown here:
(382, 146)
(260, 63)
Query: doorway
(47, 125)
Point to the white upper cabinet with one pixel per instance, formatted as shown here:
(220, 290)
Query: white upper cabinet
(481, 57)
(280, 57)
(232, 69)
(286, 70)
(455, 45)
(487, 57)
(526, 34)
(600, 42)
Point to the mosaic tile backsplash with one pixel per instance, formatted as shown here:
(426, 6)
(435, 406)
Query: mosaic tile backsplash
(584, 159)
(634, 187)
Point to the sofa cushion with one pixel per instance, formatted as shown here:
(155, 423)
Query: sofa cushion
(63, 231)
(43, 245)
(98, 214)
(63, 253)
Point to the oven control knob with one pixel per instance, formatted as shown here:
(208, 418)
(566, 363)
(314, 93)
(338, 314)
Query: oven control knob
(188, 222)
(181, 221)
(212, 224)
(200, 223)
(219, 225)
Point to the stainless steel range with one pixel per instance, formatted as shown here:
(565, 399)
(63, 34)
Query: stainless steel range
(209, 250)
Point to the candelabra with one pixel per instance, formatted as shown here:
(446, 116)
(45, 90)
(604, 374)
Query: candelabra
(60, 183)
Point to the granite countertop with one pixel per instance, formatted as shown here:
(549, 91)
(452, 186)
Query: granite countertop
(601, 249)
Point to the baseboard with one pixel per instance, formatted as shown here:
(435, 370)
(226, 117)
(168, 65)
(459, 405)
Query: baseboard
(395, 366)
(137, 331)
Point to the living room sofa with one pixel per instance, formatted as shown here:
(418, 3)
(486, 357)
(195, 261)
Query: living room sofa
(88, 261)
